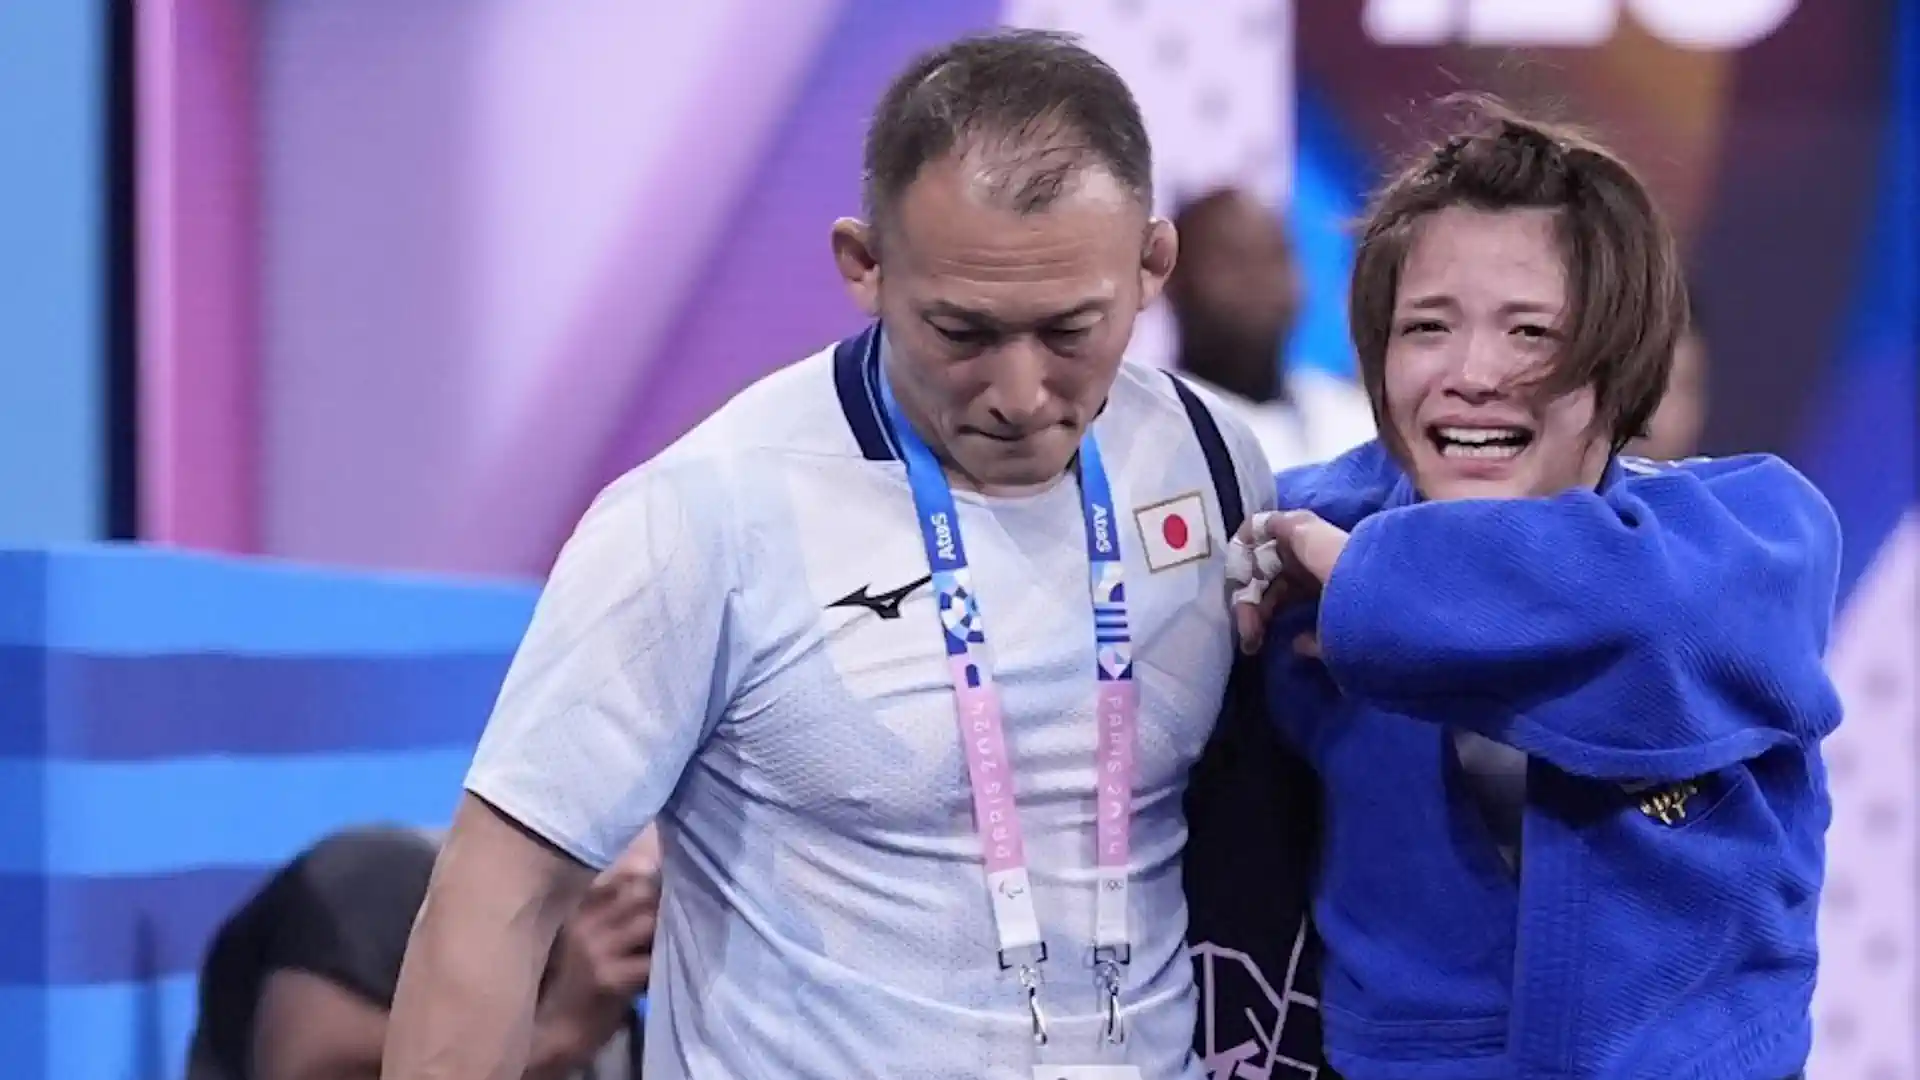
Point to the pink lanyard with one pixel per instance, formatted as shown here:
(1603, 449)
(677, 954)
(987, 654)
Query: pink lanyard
(983, 734)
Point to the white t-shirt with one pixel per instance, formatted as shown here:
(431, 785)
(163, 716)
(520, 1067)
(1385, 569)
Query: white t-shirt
(715, 647)
(1323, 417)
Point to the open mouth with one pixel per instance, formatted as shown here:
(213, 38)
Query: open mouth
(1479, 443)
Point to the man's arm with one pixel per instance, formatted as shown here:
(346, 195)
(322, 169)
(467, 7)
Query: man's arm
(465, 1004)
(627, 666)
(1672, 627)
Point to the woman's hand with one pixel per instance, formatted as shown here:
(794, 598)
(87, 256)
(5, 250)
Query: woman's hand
(1278, 559)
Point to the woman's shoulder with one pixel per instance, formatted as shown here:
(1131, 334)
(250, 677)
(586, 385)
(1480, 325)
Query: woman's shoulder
(1761, 494)
(1345, 489)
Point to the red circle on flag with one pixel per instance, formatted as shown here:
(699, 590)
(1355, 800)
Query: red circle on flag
(1174, 531)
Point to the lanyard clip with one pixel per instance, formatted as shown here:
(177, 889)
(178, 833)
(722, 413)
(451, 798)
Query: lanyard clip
(1030, 979)
(1108, 975)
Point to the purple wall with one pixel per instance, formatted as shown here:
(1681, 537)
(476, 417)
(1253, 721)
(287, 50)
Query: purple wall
(503, 260)
(199, 282)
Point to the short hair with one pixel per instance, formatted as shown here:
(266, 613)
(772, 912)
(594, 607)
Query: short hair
(1626, 290)
(1040, 104)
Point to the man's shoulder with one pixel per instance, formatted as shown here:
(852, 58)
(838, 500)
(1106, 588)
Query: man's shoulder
(1142, 389)
(793, 414)
(1169, 391)
(1170, 396)
(794, 409)
(1344, 490)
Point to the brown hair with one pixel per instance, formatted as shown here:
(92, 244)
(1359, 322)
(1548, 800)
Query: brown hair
(1627, 298)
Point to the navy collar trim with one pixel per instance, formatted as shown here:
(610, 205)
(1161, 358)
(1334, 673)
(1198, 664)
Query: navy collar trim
(856, 377)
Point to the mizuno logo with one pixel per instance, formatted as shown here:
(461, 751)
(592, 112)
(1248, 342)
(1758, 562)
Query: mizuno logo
(886, 604)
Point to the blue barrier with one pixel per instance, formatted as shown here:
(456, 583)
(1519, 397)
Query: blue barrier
(172, 726)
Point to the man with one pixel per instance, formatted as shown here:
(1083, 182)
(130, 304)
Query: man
(297, 983)
(1235, 296)
(888, 851)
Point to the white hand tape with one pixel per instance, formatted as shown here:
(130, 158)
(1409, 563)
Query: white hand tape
(1251, 570)
(1268, 560)
(1239, 562)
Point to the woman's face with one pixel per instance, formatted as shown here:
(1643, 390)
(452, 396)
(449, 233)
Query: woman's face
(1477, 320)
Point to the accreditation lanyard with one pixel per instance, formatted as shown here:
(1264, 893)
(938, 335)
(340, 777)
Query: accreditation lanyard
(983, 735)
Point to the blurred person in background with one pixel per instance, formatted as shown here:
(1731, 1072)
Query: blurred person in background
(298, 982)
(1567, 708)
(1235, 295)
(1674, 431)
(888, 852)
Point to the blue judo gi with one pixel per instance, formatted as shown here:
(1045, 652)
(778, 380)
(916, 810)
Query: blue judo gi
(1654, 648)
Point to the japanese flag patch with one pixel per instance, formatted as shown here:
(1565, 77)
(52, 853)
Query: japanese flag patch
(1174, 532)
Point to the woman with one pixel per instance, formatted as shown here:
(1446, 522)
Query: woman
(1565, 706)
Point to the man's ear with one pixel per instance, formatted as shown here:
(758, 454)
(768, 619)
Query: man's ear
(1157, 256)
(855, 253)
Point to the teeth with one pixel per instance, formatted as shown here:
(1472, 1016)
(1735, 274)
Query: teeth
(1495, 443)
(1491, 450)
(1479, 436)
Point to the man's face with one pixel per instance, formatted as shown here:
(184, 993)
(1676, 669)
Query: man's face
(1005, 330)
(1237, 280)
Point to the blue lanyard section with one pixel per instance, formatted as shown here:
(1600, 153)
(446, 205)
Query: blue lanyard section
(947, 553)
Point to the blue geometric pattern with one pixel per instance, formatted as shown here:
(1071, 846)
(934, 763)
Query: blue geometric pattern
(1110, 633)
(959, 612)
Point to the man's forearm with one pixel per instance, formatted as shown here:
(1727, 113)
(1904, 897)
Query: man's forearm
(462, 1010)
(464, 1006)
